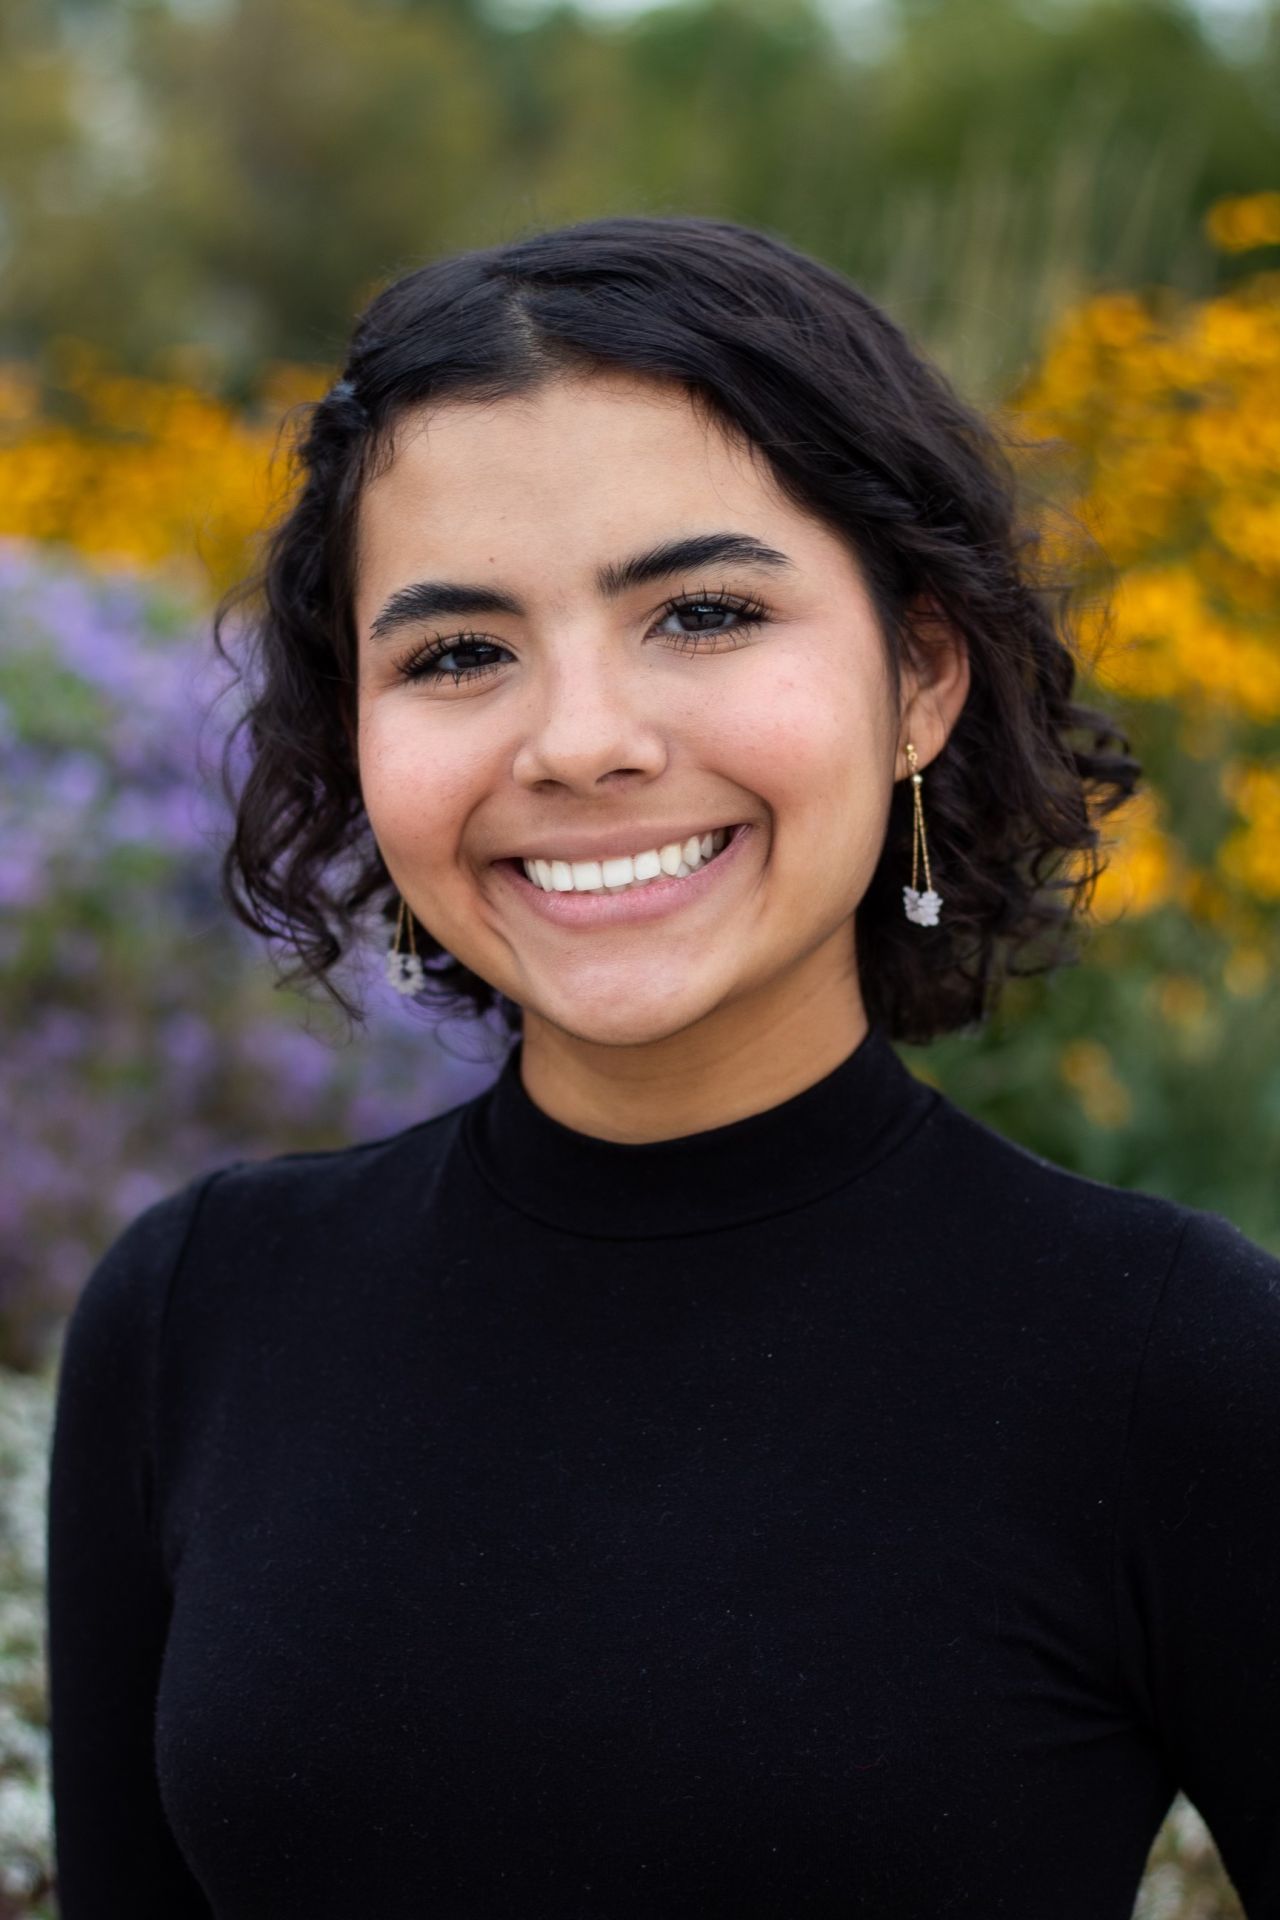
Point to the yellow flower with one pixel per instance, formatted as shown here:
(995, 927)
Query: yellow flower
(1086, 1067)
(158, 471)
(1172, 409)
(1143, 863)
(1247, 220)
(1250, 855)
(1247, 972)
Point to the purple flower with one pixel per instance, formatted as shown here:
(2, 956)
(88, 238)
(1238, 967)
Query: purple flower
(147, 1043)
(188, 1042)
(22, 870)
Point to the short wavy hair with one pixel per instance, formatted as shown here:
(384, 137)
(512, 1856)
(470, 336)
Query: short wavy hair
(860, 430)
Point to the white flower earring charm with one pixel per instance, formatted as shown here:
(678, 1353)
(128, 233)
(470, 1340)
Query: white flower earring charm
(404, 970)
(922, 908)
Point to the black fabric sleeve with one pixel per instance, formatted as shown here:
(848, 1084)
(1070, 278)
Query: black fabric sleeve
(1198, 1562)
(106, 1603)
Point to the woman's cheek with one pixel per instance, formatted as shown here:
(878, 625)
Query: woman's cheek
(418, 791)
(805, 742)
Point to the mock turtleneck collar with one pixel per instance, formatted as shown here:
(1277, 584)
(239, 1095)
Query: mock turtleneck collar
(767, 1163)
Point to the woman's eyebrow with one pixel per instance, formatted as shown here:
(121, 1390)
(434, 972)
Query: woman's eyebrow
(432, 599)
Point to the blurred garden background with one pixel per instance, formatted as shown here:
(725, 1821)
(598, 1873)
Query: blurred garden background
(1074, 205)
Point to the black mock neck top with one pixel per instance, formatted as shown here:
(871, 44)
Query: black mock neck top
(840, 1512)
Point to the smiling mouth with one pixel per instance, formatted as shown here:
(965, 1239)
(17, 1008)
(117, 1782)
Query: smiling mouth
(677, 860)
(626, 905)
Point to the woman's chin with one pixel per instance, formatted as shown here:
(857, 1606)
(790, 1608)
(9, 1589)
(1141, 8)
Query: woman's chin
(623, 1019)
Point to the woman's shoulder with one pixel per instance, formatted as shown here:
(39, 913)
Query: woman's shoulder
(331, 1180)
(1057, 1213)
(231, 1215)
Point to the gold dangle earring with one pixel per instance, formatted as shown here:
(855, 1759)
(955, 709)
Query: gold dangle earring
(921, 907)
(404, 970)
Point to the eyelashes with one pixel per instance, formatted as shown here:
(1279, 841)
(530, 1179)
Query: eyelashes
(423, 663)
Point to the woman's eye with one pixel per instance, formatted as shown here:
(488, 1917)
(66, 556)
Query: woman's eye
(469, 656)
(704, 608)
(431, 662)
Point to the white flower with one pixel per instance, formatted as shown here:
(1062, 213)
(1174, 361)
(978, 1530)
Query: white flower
(404, 971)
(922, 907)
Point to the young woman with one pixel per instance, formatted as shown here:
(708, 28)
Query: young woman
(708, 1473)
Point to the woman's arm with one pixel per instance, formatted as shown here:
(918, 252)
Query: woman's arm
(107, 1605)
(1198, 1553)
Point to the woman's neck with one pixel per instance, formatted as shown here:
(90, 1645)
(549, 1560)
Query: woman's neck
(741, 1059)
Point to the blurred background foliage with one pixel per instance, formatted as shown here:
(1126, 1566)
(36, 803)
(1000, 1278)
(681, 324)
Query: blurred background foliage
(1074, 206)
(233, 176)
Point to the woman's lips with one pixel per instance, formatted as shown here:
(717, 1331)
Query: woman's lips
(631, 905)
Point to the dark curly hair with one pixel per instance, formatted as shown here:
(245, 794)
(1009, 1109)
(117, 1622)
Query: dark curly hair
(860, 430)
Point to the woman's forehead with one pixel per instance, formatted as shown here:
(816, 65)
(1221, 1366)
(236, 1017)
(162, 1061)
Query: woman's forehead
(570, 475)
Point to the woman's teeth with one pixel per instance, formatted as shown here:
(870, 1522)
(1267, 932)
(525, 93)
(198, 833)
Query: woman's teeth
(678, 859)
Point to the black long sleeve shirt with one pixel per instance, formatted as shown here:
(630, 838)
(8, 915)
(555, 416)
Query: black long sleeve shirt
(839, 1512)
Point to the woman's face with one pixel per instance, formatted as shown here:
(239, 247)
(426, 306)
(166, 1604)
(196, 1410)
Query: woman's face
(572, 713)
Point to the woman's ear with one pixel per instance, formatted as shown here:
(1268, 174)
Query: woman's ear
(935, 681)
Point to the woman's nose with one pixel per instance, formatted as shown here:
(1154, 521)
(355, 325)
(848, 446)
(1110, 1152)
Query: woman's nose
(587, 719)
